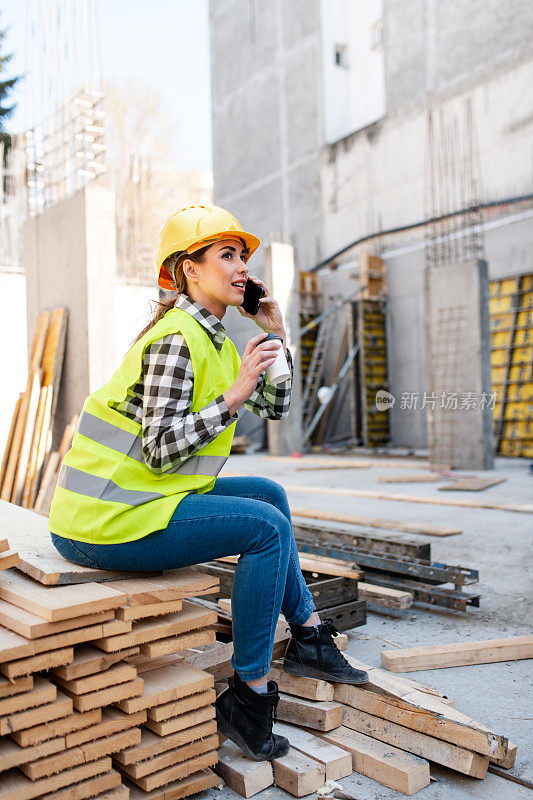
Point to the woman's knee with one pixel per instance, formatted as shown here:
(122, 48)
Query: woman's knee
(273, 492)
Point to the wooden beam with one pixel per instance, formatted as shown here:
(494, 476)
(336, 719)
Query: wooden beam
(445, 753)
(523, 508)
(71, 722)
(298, 774)
(165, 685)
(175, 756)
(308, 688)
(336, 761)
(383, 596)
(322, 716)
(458, 654)
(375, 522)
(88, 660)
(182, 721)
(383, 763)
(242, 774)
(197, 782)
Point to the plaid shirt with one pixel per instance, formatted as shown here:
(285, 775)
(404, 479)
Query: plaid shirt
(161, 399)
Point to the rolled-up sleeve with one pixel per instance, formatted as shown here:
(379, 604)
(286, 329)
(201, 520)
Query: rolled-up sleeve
(171, 432)
(270, 400)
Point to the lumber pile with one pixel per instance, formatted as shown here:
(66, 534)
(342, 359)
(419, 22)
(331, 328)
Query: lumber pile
(86, 707)
(27, 460)
(392, 729)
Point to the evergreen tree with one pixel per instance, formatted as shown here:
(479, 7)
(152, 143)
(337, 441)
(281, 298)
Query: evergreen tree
(6, 87)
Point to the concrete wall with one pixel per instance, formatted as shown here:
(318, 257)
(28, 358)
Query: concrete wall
(69, 259)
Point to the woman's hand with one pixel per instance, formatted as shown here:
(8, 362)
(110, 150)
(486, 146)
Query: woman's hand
(269, 316)
(257, 356)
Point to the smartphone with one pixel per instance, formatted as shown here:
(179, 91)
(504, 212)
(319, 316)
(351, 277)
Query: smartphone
(252, 293)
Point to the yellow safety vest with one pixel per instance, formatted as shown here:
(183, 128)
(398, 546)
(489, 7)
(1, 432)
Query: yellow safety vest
(106, 493)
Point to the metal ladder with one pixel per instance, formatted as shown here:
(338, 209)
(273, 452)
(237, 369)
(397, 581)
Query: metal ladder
(316, 368)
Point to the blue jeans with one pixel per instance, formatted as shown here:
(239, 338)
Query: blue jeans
(246, 516)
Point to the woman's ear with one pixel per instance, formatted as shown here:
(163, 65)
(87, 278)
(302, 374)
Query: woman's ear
(189, 269)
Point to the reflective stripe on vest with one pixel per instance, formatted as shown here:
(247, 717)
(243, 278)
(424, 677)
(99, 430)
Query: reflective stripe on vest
(129, 444)
(102, 488)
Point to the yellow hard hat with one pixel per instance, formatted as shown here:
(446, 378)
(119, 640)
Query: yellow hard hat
(194, 227)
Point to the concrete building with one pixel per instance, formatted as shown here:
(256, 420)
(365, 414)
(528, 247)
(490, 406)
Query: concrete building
(320, 138)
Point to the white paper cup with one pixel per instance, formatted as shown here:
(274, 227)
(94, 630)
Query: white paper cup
(279, 371)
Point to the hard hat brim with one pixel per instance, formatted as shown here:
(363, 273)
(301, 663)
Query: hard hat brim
(250, 241)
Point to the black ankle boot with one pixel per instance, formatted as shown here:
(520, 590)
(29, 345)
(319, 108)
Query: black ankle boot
(312, 653)
(246, 717)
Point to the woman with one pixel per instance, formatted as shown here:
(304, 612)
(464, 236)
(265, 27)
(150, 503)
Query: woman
(138, 490)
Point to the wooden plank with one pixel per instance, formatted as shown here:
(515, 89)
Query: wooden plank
(242, 774)
(153, 745)
(471, 484)
(197, 782)
(323, 715)
(23, 666)
(181, 722)
(308, 688)
(60, 707)
(383, 596)
(177, 644)
(112, 721)
(25, 446)
(58, 727)
(12, 755)
(168, 684)
(383, 763)
(16, 786)
(9, 558)
(336, 761)
(145, 664)
(74, 636)
(12, 645)
(176, 772)
(32, 626)
(103, 697)
(456, 758)
(9, 688)
(190, 703)
(524, 508)
(393, 684)
(375, 522)
(42, 692)
(152, 610)
(414, 477)
(62, 602)
(107, 786)
(298, 774)
(31, 470)
(28, 534)
(41, 505)
(190, 618)
(9, 441)
(82, 754)
(174, 585)
(372, 541)
(118, 673)
(175, 756)
(88, 660)
(457, 654)
(424, 714)
(312, 563)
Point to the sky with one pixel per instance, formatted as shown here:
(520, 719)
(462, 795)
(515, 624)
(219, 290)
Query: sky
(167, 48)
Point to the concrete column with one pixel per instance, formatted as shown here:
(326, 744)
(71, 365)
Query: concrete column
(281, 275)
(458, 366)
(69, 258)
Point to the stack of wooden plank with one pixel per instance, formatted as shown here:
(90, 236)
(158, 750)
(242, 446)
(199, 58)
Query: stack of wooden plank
(393, 728)
(104, 717)
(29, 439)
